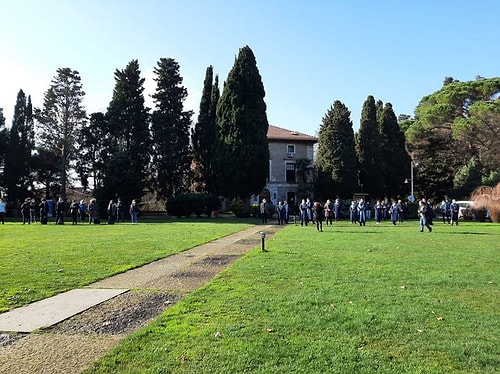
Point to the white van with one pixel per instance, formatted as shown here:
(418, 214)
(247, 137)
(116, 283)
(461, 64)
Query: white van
(465, 209)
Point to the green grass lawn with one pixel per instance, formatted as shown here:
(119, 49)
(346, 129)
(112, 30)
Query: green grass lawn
(348, 300)
(38, 261)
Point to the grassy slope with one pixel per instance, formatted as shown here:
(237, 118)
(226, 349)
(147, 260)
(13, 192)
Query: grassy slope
(374, 299)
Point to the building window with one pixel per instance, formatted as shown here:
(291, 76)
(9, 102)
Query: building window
(290, 172)
(290, 148)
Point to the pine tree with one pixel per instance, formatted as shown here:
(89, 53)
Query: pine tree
(396, 160)
(61, 119)
(170, 131)
(128, 126)
(369, 152)
(241, 160)
(336, 163)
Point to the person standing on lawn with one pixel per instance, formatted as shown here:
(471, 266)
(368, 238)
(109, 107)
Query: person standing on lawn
(337, 206)
(362, 212)
(303, 213)
(134, 211)
(264, 210)
(280, 209)
(93, 215)
(44, 211)
(60, 208)
(74, 208)
(453, 212)
(3, 210)
(318, 215)
(423, 211)
(329, 213)
(33, 206)
(25, 211)
(353, 212)
(82, 208)
(286, 211)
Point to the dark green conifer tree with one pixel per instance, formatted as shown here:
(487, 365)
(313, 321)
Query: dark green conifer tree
(203, 138)
(396, 161)
(241, 160)
(170, 131)
(369, 152)
(20, 146)
(95, 142)
(128, 123)
(4, 137)
(336, 162)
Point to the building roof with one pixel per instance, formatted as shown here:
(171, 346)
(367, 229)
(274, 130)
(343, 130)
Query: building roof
(278, 133)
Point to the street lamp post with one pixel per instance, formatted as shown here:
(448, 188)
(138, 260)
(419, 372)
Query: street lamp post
(411, 177)
(412, 166)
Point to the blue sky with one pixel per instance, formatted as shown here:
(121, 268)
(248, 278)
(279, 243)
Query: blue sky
(309, 54)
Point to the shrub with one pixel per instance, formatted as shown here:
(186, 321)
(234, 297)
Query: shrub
(186, 204)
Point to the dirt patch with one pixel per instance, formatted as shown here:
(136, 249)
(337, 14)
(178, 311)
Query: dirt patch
(122, 314)
(221, 260)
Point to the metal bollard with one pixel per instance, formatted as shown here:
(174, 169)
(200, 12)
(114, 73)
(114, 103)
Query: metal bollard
(263, 238)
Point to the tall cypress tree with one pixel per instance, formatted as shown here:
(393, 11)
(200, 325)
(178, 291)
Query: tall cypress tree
(336, 159)
(14, 182)
(396, 161)
(241, 159)
(203, 137)
(4, 137)
(21, 144)
(129, 151)
(170, 131)
(369, 152)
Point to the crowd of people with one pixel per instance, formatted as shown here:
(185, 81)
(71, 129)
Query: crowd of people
(34, 211)
(360, 211)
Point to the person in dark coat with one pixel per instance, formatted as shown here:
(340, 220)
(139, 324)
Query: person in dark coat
(60, 208)
(395, 210)
(378, 211)
(74, 208)
(281, 213)
(25, 211)
(362, 212)
(353, 212)
(453, 212)
(33, 206)
(337, 207)
(304, 219)
(318, 215)
(44, 211)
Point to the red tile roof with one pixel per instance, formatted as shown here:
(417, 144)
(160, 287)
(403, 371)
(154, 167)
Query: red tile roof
(278, 133)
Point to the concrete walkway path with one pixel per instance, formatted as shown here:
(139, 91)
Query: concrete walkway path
(55, 309)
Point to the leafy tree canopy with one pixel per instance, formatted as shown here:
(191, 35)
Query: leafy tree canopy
(451, 126)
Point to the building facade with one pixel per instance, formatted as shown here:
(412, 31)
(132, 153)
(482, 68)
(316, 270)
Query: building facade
(290, 166)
